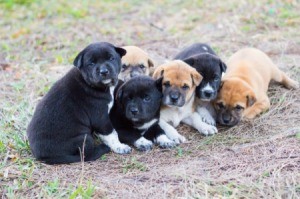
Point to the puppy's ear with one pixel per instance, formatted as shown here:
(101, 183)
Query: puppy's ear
(78, 61)
(159, 72)
(221, 85)
(150, 63)
(189, 61)
(196, 77)
(251, 99)
(158, 83)
(120, 51)
(223, 66)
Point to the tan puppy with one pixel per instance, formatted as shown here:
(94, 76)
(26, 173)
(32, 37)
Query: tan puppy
(135, 62)
(179, 83)
(244, 87)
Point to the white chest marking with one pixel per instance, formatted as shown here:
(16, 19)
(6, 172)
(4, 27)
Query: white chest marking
(111, 103)
(147, 125)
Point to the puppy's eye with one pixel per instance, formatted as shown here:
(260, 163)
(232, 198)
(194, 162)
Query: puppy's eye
(111, 58)
(124, 66)
(216, 78)
(220, 105)
(185, 87)
(91, 64)
(167, 84)
(146, 98)
(238, 107)
(142, 66)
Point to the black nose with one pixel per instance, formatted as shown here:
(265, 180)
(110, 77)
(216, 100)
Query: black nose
(208, 93)
(174, 97)
(104, 71)
(134, 110)
(226, 119)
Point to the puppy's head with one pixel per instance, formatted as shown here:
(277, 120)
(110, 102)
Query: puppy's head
(179, 82)
(234, 97)
(100, 64)
(140, 98)
(135, 62)
(211, 68)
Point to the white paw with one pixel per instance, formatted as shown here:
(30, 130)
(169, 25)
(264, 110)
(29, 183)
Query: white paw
(143, 144)
(164, 142)
(207, 129)
(121, 149)
(177, 138)
(206, 117)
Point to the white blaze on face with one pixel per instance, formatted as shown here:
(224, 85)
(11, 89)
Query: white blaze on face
(207, 87)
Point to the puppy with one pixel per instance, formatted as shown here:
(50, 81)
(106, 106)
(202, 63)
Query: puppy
(135, 62)
(77, 107)
(135, 114)
(210, 66)
(243, 93)
(179, 84)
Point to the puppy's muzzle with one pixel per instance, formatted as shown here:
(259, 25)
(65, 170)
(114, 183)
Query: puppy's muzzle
(228, 120)
(134, 111)
(104, 71)
(173, 98)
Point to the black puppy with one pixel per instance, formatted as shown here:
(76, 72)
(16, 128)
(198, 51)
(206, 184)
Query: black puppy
(77, 107)
(135, 114)
(210, 66)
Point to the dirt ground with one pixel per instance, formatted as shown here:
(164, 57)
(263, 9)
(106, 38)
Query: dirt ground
(255, 159)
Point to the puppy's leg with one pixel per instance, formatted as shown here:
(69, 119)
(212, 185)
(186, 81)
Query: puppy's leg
(135, 138)
(281, 77)
(257, 108)
(195, 121)
(171, 132)
(113, 142)
(157, 134)
(206, 116)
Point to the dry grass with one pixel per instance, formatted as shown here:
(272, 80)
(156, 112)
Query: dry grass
(256, 159)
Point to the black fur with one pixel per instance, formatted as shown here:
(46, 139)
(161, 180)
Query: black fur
(208, 64)
(142, 95)
(75, 108)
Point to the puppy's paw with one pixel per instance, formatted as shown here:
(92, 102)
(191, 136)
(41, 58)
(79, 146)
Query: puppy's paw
(121, 149)
(207, 129)
(164, 142)
(177, 138)
(143, 144)
(206, 116)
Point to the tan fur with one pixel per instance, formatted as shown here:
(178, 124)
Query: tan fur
(135, 56)
(247, 80)
(178, 74)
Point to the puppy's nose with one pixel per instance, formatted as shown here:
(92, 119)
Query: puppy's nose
(208, 93)
(133, 74)
(174, 97)
(226, 119)
(104, 71)
(134, 110)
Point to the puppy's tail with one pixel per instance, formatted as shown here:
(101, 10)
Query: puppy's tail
(67, 159)
(282, 78)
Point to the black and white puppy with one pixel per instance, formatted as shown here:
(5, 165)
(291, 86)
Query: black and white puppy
(136, 111)
(210, 66)
(77, 107)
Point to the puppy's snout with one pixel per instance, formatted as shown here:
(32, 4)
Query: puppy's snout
(226, 119)
(208, 93)
(133, 74)
(174, 96)
(104, 71)
(134, 110)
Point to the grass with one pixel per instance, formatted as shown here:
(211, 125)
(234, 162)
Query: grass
(254, 159)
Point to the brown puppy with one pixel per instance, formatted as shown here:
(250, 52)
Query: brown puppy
(244, 87)
(179, 83)
(136, 62)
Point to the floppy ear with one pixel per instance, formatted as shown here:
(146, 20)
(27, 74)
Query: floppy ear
(120, 51)
(189, 61)
(196, 77)
(158, 84)
(223, 66)
(251, 99)
(78, 60)
(159, 72)
(221, 85)
(150, 63)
